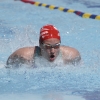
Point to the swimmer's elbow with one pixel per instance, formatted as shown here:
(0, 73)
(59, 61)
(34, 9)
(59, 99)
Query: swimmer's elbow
(76, 60)
(15, 61)
(12, 62)
(9, 61)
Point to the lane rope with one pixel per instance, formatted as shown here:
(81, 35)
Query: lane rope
(52, 7)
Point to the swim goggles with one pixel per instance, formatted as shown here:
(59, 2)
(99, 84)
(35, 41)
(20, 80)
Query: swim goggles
(48, 46)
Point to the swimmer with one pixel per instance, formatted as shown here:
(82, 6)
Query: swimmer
(49, 48)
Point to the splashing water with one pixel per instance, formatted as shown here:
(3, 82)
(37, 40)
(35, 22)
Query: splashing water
(19, 27)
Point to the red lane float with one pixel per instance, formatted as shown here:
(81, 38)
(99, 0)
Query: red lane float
(28, 1)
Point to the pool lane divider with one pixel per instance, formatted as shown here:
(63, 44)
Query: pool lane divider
(52, 7)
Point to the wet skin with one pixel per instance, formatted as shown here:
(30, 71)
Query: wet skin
(50, 51)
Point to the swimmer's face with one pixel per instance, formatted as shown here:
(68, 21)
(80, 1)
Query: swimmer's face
(50, 49)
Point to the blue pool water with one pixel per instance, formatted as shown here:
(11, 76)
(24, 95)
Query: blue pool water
(19, 26)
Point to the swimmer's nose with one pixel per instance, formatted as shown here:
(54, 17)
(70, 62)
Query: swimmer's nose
(52, 50)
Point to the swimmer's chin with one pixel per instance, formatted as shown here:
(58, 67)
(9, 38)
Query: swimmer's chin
(51, 60)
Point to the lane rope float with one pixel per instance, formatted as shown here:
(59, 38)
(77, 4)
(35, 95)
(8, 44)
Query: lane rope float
(52, 7)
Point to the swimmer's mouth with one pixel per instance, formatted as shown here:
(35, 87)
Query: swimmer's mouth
(52, 56)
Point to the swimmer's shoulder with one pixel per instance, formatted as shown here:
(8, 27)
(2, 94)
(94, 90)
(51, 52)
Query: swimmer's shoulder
(67, 49)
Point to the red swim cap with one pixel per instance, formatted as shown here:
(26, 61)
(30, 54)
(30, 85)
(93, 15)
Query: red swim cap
(47, 32)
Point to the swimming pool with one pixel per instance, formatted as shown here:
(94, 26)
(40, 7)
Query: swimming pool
(18, 20)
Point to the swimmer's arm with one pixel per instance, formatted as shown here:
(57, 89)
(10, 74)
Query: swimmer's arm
(16, 59)
(74, 60)
(21, 56)
(71, 56)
